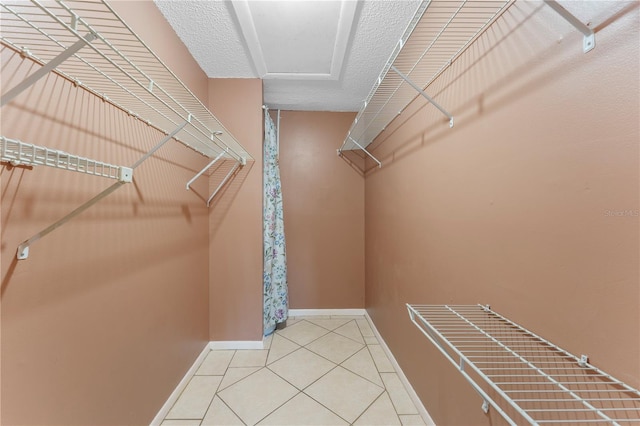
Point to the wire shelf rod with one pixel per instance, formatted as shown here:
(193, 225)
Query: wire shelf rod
(226, 178)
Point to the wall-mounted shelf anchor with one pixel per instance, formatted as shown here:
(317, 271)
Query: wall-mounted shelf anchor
(589, 39)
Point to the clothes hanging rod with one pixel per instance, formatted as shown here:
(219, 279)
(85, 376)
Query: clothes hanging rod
(363, 149)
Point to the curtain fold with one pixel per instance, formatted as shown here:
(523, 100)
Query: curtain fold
(276, 295)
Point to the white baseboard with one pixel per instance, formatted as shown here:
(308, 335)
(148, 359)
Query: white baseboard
(324, 312)
(412, 393)
(164, 410)
(236, 344)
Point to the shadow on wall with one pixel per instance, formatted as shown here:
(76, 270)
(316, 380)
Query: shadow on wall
(355, 160)
(484, 80)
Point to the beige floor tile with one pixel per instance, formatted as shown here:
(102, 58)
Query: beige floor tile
(235, 374)
(351, 331)
(398, 394)
(303, 332)
(344, 393)
(334, 347)
(302, 411)
(279, 348)
(371, 340)
(257, 395)
(329, 324)
(365, 329)
(380, 413)
(219, 414)
(362, 364)
(195, 398)
(249, 358)
(411, 420)
(180, 423)
(380, 358)
(312, 317)
(301, 368)
(216, 363)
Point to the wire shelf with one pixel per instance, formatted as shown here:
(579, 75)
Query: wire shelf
(108, 59)
(541, 382)
(437, 34)
(20, 153)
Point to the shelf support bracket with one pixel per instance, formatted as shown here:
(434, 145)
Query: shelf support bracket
(215, 160)
(46, 68)
(126, 176)
(423, 93)
(589, 40)
(364, 150)
(23, 248)
(159, 145)
(226, 178)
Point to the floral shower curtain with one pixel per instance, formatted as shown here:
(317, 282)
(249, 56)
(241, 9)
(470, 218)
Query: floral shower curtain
(276, 295)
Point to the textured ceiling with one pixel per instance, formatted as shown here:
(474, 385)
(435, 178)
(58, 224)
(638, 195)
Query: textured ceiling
(325, 58)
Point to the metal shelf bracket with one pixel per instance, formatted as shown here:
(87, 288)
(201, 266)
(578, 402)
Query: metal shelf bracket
(46, 68)
(226, 178)
(363, 149)
(423, 93)
(124, 175)
(589, 40)
(193, 179)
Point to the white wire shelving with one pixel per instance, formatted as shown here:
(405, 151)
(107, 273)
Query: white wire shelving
(524, 377)
(439, 32)
(87, 43)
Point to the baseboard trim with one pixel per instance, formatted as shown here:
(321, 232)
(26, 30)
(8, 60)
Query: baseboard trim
(164, 410)
(325, 312)
(236, 344)
(412, 393)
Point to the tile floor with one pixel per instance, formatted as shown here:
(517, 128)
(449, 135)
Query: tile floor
(317, 371)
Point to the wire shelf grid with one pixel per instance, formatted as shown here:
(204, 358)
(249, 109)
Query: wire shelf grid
(437, 34)
(115, 65)
(543, 383)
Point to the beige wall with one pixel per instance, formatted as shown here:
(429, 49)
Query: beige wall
(109, 311)
(323, 212)
(235, 220)
(512, 207)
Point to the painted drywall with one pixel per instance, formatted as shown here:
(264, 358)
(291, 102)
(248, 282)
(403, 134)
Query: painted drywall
(323, 212)
(110, 310)
(235, 219)
(529, 204)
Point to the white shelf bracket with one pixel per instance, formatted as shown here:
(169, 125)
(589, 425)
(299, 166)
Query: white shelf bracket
(23, 248)
(215, 160)
(589, 39)
(125, 175)
(159, 145)
(46, 68)
(363, 149)
(226, 178)
(422, 92)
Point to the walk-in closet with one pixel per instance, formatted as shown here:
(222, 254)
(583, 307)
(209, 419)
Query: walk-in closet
(341, 212)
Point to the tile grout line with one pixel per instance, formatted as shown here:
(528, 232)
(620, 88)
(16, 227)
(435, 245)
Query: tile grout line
(417, 402)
